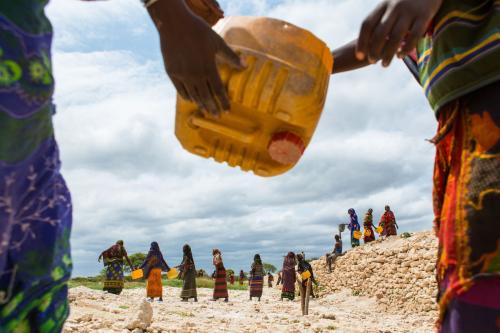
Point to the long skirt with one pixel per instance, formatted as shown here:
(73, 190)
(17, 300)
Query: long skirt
(256, 284)
(220, 289)
(389, 229)
(288, 288)
(241, 281)
(154, 287)
(466, 201)
(114, 277)
(354, 241)
(189, 285)
(371, 237)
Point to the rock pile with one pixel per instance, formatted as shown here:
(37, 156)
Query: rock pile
(399, 272)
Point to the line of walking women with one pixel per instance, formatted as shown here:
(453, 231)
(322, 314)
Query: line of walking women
(154, 264)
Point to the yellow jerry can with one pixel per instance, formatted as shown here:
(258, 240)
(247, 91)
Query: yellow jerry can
(137, 274)
(367, 233)
(276, 102)
(305, 275)
(379, 229)
(172, 273)
(357, 234)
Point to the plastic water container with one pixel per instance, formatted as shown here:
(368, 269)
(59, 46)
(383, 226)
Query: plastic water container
(305, 275)
(379, 229)
(137, 274)
(172, 273)
(357, 234)
(276, 102)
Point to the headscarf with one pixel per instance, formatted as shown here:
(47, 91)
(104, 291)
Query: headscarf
(116, 251)
(289, 262)
(257, 260)
(154, 259)
(354, 224)
(186, 249)
(302, 263)
(217, 261)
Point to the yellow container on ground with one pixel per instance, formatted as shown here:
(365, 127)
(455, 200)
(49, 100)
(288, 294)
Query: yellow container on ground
(276, 102)
(172, 273)
(137, 274)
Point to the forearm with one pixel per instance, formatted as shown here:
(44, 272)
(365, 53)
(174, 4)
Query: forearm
(345, 59)
(169, 13)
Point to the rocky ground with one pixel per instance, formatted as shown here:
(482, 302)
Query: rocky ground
(95, 311)
(381, 287)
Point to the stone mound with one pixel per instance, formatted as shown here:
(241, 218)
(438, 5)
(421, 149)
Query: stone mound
(399, 272)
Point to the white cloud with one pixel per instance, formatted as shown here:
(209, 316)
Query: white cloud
(131, 180)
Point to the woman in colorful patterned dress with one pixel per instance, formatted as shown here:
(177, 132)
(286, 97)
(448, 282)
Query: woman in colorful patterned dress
(152, 266)
(188, 275)
(256, 278)
(452, 48)
(113, 261)
(353, 226)
(388, 223)
(288, 277)
(369, 235)
(35, 204)
(220, 288)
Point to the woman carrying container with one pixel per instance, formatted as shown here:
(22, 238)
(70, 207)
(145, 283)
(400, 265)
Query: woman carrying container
(288, 277)
(353, 226)
(369, 235)
(152, 267)
(302, 267)
(220, 288)
(113, 260)
(188, 275)
(256, 278)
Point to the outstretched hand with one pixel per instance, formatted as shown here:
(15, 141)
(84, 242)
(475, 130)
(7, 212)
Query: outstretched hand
(394, 27)
(190, 48)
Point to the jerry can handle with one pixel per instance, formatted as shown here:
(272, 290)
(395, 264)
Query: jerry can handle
(222, 129)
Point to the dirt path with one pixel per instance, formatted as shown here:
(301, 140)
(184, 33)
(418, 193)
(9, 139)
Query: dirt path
(96, 311)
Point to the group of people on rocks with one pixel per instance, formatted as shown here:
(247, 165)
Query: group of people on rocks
(154, 264)
(387, 224)
(387, 227)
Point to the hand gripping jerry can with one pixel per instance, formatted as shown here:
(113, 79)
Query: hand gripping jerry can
(276, 102)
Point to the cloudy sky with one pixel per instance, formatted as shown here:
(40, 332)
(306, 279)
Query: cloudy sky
(131, 180)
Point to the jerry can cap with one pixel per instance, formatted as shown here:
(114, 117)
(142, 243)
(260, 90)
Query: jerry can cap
(286, 148)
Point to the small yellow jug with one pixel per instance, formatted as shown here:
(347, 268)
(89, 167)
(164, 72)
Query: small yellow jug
(172, 273)
(357, 234)
(379, 229)
(137, 274)
(276, 102)
(305, 275)
(367, 233)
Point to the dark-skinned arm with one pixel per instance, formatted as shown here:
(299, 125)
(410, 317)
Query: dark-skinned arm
(345, 58)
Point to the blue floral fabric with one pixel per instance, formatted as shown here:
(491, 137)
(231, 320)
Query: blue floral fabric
(35, 205)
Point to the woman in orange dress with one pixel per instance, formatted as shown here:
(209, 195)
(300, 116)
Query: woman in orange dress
(152, 267)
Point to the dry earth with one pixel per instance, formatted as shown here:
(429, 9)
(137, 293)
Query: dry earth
(373, 289)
